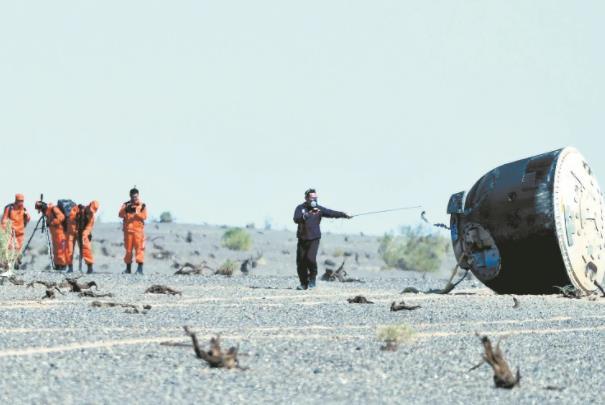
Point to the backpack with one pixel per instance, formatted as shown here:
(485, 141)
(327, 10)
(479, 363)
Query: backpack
(65, 206)
(82, 218)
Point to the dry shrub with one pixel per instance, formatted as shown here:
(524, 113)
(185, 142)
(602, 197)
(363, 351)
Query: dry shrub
(8, 254)
(227, 268)
(393, 335)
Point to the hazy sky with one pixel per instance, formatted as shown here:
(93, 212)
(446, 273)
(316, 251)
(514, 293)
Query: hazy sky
(226, 111)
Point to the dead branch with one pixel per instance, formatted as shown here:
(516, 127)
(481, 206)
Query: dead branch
(503, 376)
(135, 311)
(244, 268)
(92, 294)
(389, 346)
(162, 254)
(215, 357)
(360, 299)
(74, 286)
(251, 263)
(108, 304)
(402, 306)
(162, 289)
(47, 284)
(105, 251)
(482, 362)
(130, 308)
(176, 344)
(50, 293)
(189, 269)
(16, 281)
(339, 274)
(71, 284)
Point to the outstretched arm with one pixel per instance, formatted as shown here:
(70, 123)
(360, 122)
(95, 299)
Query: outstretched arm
(328, 213)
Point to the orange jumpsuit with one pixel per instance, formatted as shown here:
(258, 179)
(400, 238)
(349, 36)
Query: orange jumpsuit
(71, 234)
(55, 219)
(134, 231)
(81, 219)
(19, 217)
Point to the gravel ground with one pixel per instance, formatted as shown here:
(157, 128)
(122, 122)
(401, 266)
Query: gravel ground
(300, 347)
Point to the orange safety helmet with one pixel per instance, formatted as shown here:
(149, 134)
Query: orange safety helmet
(94, 206)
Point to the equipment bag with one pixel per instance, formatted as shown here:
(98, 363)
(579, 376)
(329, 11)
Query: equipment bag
(65, 206)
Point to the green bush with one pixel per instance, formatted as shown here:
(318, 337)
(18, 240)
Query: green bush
(414, 249)
(395, 333)
(166, 217)
(338, 252)
(237, 239)
(227, 268)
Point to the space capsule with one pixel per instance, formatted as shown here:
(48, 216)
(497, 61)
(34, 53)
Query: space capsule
(531, 225)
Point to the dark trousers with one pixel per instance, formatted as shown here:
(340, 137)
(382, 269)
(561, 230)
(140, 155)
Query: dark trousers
(306, 260)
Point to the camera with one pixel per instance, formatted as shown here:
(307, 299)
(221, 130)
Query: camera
(41, 206)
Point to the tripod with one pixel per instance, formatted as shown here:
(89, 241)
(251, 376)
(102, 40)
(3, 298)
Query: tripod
(43, 229)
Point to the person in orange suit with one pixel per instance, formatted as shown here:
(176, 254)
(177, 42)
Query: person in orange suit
(134, 214)
(18, 216)
(71, 234)
(79, 231)
(55, 220)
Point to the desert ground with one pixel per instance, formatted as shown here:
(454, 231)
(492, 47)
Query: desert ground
(294, 346)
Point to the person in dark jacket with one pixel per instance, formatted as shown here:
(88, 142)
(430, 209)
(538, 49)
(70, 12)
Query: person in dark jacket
(308, 216)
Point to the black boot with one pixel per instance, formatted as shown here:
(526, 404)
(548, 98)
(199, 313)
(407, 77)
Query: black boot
(70, 268)
(140, 268)
(89, 265)
(128, 268)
